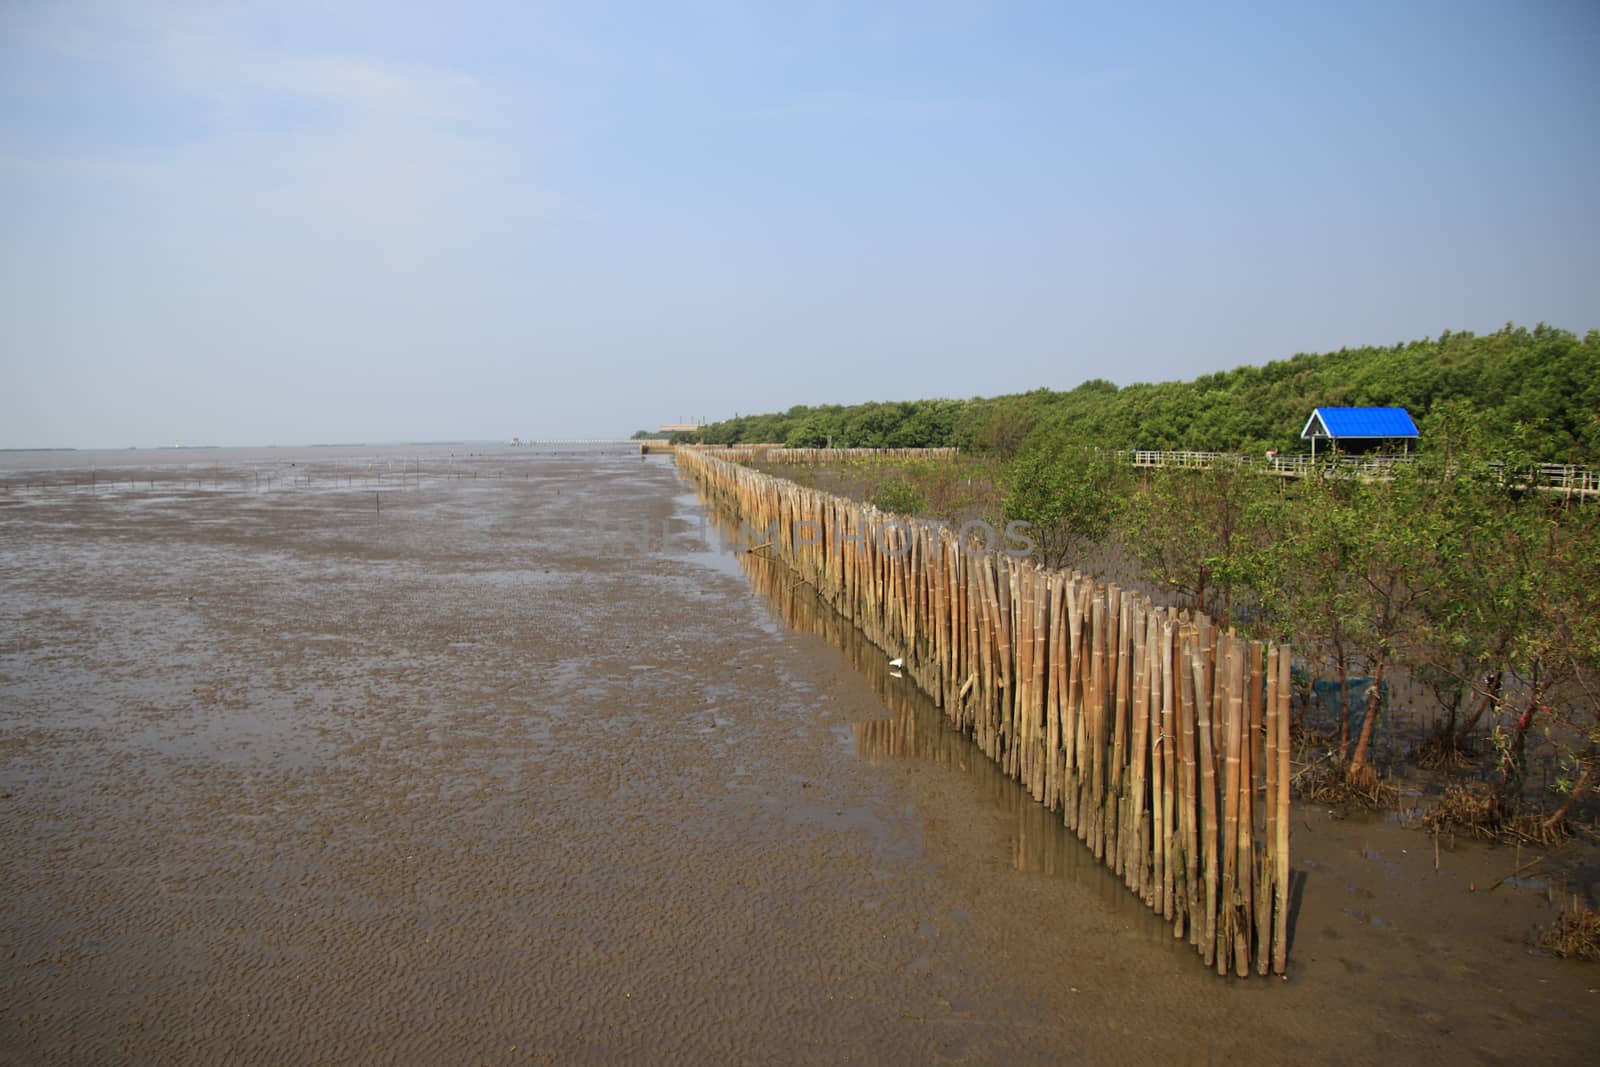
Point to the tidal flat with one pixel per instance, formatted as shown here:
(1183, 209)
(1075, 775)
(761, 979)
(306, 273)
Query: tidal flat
(481, 754)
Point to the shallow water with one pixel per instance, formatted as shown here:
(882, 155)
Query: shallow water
(526, 767)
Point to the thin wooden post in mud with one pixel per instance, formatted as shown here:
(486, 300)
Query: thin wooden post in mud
(1280, 932)
(1208, 805)
(1072, 725)
(1008, 681)
(1094, 806)
(1268, 866)
(1160, 684)
(990, 682)
(1123, 687)
(964, 644)
(1021, 648)
(1166, 846)
(1157, 745)
(1228, 804)
(1039, 704)
(1190, 822)
(947, 648)
(1235, 937)
(1135, 842)
(1058, 675)
(1245, 791)
(1210, 645)
(943, 621)
(972, 608)
(1086, 710)
(1255, 696)
(942, 615)
(1021, 601)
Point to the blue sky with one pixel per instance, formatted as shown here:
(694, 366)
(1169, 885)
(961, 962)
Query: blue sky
(250, 223)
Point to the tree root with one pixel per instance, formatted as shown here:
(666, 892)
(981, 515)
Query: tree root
(1464, 811)
(1575, 934)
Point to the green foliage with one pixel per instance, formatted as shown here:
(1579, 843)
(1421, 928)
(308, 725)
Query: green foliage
(1069, 494)
(812, 433)
(900, 496)
(1538, 390)
(1200, 533)
(1455, 571)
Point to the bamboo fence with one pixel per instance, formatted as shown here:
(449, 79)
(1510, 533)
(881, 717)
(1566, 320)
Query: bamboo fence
(1161, 740)
(836, 455)
(912, 727)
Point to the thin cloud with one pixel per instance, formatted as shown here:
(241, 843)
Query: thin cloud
(405, 160)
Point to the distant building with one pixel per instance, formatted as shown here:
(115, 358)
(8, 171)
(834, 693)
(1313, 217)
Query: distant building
(678, 427)
(1359, 429)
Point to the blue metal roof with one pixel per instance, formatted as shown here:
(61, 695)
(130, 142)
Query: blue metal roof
(1360, 422)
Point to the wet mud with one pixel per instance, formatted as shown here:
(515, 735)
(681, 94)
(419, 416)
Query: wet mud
(514, 764)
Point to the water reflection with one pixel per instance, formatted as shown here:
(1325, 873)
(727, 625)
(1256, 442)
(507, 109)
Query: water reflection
(911, 727)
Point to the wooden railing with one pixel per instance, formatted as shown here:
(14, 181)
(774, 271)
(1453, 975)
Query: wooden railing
(1568, 478)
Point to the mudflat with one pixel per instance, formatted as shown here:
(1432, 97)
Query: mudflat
(504, 760)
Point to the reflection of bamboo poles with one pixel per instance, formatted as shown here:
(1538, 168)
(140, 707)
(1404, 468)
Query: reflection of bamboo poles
(1148, 729)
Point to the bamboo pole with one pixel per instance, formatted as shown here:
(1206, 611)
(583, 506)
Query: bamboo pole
(1189, 823)
(1280, 932)
(1160, 893)
(997, 656)
(1073, 725)
(1268, 865)
(1250, 725)
(1022, 609)
(1231, 930)
(1169, 765)
(1134, 841)
(1123, 686)
(1058, 675)
(1038, 703)
(1208, 805)
(1094, 798)
(1008, 682)
(975, 618)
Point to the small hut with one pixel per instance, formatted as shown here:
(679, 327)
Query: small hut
(1359, 429)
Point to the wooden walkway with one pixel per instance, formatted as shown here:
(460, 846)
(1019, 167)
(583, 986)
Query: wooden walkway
(1563, 478)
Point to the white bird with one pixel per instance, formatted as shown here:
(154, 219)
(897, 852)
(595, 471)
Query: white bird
(897, 663)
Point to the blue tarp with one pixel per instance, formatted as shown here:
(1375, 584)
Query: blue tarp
(1326, 693)
(1322, 706)
(1324, 697)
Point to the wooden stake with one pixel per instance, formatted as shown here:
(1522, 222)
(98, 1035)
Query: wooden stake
(1264, 881)
(1208, 805)
(1280, 931)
